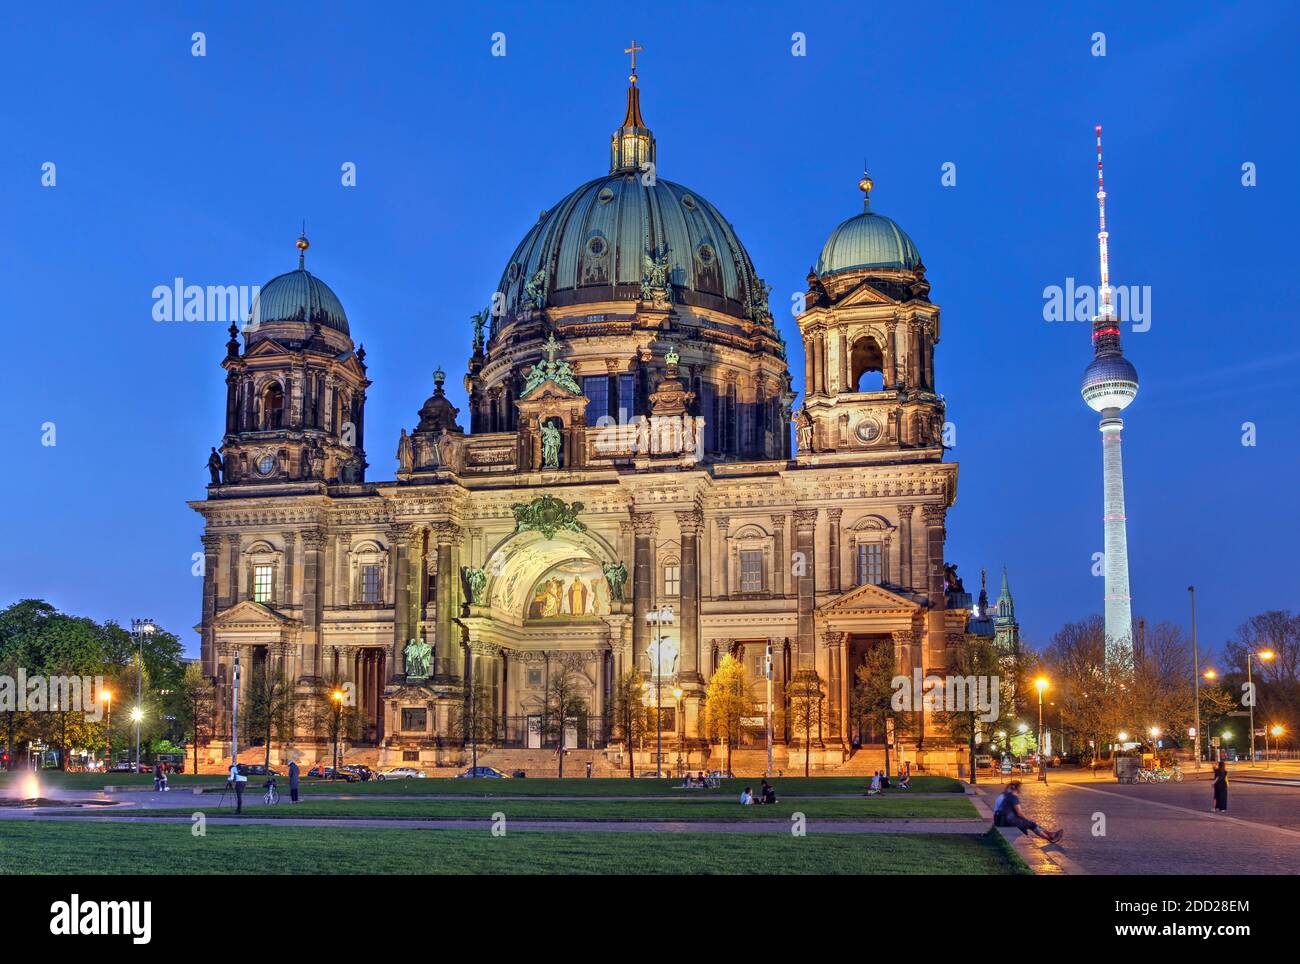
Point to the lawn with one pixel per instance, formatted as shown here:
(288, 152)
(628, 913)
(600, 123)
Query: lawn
(697, 809)
(539, 786)
(71, 848)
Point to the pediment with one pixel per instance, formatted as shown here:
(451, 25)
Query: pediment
(266, 347)
(864, 294)
(253, 615)
(869, 599)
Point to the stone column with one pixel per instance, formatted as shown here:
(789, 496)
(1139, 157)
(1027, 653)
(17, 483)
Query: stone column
(890, 375)
(905, 546)
(211, 560)
(643, 582)
(808, 365)
(232, 571)
(721, 562)
(834, 516)
(780, 563)
(846, 371)
(805, 525)
(836, 716)
(934, 539)
(448, 537)
(286, 577)
(313, 541)
(691, 523)
(400, 536)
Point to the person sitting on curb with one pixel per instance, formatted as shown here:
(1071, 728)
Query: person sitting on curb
(1007, 813)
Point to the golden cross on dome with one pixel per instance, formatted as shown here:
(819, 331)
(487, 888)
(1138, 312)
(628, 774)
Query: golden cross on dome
(633, 50)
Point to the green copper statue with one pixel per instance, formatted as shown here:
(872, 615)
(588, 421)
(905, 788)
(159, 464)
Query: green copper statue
(417, 654)
(475, 583)
(550, 446)
(616, 576)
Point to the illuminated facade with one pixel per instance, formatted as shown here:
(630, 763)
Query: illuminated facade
(627, 450)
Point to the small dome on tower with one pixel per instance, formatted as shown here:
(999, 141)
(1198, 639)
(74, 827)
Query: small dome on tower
(867, 240)
(299, 296)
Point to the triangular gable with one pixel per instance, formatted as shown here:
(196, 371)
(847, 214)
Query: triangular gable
(266, 346)
(869, 599)
(247, 614)
(864, 294)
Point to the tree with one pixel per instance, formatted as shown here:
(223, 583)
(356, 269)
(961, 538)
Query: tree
(564, 702)
(725, 701)
(630, 715)
(1276, 679)
(268, 708)
(476, 723)
(193, 703)
(807, 699)
(974, 657)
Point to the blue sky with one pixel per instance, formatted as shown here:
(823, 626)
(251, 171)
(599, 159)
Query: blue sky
(203, 167)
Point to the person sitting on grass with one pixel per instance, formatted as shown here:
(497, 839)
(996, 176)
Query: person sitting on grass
(746, 798)
(884, 782)
(905, 781)
(875, 784)
(1007, 813)
(767, 793)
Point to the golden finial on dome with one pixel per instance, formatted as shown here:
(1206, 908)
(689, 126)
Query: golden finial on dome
(866, 184)
(302, 244)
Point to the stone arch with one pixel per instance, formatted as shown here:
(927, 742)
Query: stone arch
(519, 560)
(866, 365)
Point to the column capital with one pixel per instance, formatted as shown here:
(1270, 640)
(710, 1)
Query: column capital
(211, 542)
(905, 510)
(904, 637)
(834, 515)
(832, 638)
(934, 514)
(723, 523)
(805, 518)
(778, 519)
(313, 538)
(644, 523)
(690, 521)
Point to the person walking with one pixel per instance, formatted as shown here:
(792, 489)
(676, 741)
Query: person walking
(1007, 813)
(293, 781)
(237, 781)
(1221, 788)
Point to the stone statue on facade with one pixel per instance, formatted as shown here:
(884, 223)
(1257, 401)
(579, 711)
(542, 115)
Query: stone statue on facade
(215, 466)
(479, 320)
(654, 280)
(616, 576)
(405, 456)
(475, 584)
(535, 289)
(417, 655)
(805, 432)
(550, 446)
(952, 581)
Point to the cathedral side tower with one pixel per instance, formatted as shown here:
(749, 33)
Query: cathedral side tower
(295, 395)
(869, 331)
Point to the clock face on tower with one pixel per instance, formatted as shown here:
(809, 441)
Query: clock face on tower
(868, 430)
(266, 465)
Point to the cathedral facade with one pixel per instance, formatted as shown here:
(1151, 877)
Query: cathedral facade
(631, 488)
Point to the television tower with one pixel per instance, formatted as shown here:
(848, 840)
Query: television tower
(1110, 384)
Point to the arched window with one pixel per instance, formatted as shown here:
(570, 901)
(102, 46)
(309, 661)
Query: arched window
(272, 406)
(868, 365)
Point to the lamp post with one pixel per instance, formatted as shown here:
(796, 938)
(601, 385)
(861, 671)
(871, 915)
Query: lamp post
(1196, 683)
(107, 697)
(1277, 730)
(681, 734)
(656, 618)
(337, 697)
(767, 671)
(1209, 674)
(140, 628)
(1265, 655)
(1040, 684)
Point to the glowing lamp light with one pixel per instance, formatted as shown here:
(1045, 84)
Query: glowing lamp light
(1277, 729)
(1041, 683)
(137, 714)
(1123, 737)
(1210, 674)
(1266, 654)
(337, 696)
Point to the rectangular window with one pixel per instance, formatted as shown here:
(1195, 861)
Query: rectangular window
(626, 397)
(751, 570)
(871, 563)
(707, 403)
(672, 580)
(415, 719)
(371, 591)
(596, 388)
(262, 583)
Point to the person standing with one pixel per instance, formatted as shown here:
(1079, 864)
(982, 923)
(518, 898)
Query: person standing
(237, 781)
(157, 777)
(293, 781)
(1221, 788)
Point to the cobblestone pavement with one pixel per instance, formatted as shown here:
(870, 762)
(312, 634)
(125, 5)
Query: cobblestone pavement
(1168, 828)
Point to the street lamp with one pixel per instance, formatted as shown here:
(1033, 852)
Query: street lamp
(107, 697)
(657, 618)
(1276, 731)
(1196, 683)
(337, 697)
(1040, 684)
(137, 715)
(681, 730)
(1266, 655)
(140, 628)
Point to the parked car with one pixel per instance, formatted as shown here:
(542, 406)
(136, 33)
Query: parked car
(401, 773)
(122, 766)
(359, 770)
(257, 770)
(490, 773)
(983, 762)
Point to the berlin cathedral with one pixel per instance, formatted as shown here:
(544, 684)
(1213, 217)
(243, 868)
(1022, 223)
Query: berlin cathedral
(632, 488)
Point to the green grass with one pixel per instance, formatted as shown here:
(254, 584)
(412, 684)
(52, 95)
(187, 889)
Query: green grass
(835, 808)
(539, 786)
(69, 848)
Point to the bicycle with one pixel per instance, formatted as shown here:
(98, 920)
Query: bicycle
(272, 794)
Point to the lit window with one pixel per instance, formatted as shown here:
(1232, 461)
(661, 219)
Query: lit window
(751, 570)
(370, 589)
(871, 563)
(596, 388)
(672, 580)
(262, 583)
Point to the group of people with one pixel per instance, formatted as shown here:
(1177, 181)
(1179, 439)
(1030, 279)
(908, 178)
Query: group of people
(690, 782)
(238, 780)
(880, 782)
(766, 794)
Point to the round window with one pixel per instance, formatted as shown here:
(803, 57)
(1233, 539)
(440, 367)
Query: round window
(266, 464)
(706, 254)
(596, 247)
(605, 196)
(688, 202)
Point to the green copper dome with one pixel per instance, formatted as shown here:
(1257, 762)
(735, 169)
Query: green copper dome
(867, 240)
(299, 296)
